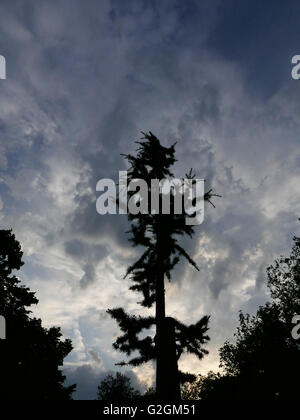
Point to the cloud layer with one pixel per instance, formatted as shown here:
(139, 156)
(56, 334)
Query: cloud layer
(83, 79)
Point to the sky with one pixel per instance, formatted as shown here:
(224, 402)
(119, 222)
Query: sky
(83, 79)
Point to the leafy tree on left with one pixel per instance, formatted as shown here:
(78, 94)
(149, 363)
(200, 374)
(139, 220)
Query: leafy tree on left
(31, 355)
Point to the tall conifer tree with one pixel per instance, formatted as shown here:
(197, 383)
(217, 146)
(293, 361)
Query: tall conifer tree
(158, 234)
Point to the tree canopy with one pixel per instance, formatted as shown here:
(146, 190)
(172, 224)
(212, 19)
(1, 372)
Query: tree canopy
(31, 355)
(117, 388)
(263, 362)
(158, 234)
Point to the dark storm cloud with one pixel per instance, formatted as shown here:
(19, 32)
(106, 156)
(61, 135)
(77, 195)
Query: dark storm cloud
(87, 380)
(95, 356)
(87, 256)
(261, 37)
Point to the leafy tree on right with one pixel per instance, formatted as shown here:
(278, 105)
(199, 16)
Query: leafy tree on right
(263, 363)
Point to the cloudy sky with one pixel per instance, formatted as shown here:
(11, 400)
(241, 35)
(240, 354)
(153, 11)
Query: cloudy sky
(83, 79)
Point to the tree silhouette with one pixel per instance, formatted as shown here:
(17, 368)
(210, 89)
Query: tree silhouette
(202, 387)
(263, 363)
(158, 234)
(30, 355)
(116, 388)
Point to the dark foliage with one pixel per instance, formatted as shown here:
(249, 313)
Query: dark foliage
(117, 389)
(263, 363)
(158, 234)
(30, 355)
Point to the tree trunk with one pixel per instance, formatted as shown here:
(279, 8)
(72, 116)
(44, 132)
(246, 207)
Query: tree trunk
(167, 377)
(160, 318)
